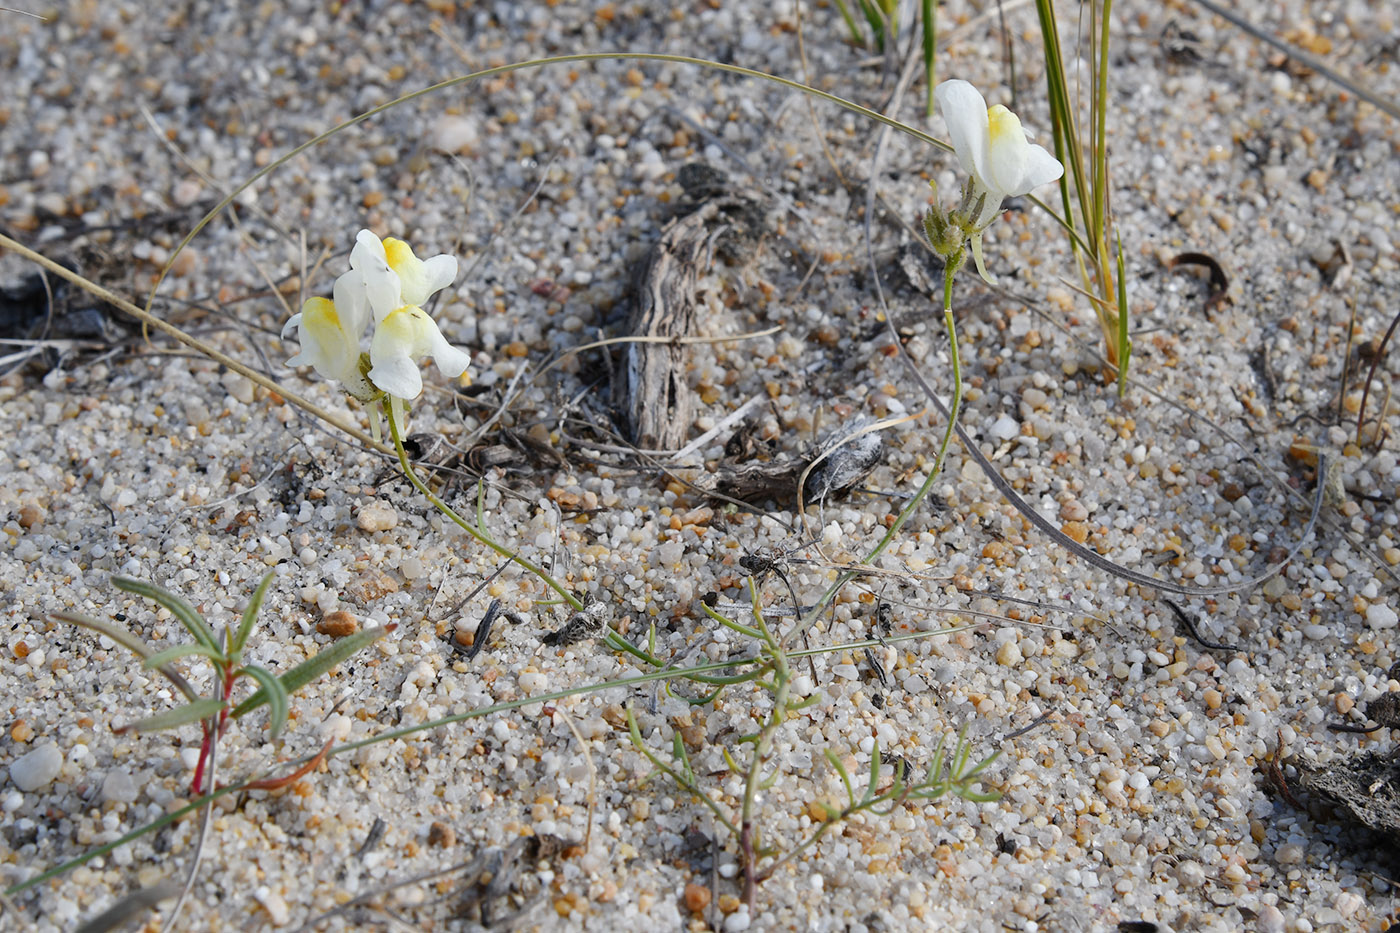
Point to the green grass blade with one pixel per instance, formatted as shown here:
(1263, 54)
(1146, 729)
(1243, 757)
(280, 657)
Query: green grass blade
(876, 20)
(1125, 343)
(250, 615)
(845, 775)
(874, 772)
(192, 621)
(856, 36)
(315, 666)
(1100, 180)
(930, 16)
(184, 715)
(278, 702)
(682, 758)
(176, 652)
(129, 641)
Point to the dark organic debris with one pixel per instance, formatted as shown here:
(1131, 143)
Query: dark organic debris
(1364, 786)
(1219, 283)
(844, 459)
(1384, 711)
(846, 455)
(32, 309)
(1190, 625)
(589, 622)
(483, 630)
(496, 889)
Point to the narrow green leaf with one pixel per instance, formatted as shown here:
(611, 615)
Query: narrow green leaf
(845, 775)
(192, 621)
(851, 23)
(278, 702)
(874, 772)
(129, 641)
(124, 637)
(250, 615)
(876, 21)
(314, 667)
(176, 652)
(190, 712)
(1125, 344)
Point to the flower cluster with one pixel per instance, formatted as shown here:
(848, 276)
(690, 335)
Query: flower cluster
(389, 284)
(1001, 163)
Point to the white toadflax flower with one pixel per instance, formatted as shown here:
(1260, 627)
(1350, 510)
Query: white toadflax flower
(997, 154)
(386, 283)
(394, 276)
(404, 335)
(329, 332)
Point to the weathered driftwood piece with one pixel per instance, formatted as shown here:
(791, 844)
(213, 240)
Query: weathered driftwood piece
(657, 400)
(654, 397)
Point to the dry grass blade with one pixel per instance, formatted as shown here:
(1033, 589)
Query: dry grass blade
(129, 907)
(1303, 58)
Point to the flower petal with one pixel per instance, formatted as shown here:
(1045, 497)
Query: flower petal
(328, 345)
(380, 283)
(419, 278)
(1007, 151)
(351, 303)
(1041, 168)
(292, 322)
(965, 112)
(404, 336)
(976, 241)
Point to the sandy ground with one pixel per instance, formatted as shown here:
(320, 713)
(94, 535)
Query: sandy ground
(1133, 759)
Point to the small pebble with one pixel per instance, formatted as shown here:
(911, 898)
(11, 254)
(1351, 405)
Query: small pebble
(1379, 615)
(697, 897)
(273, 903)
(239, 386)
(1271, 920)
(338, 624)
(377, 516)
(1004, 428)
(452, 134)
(1009, 655)
(37, 768)
(118, 787)
(441, 835)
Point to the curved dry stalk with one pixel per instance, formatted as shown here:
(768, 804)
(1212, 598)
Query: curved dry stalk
(146, 317)
(1303, 58)
(592, 773)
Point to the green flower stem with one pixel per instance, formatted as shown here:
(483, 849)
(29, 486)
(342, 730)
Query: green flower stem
(951, 269)
(763, 744)
(467, 526)
(613, 639)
